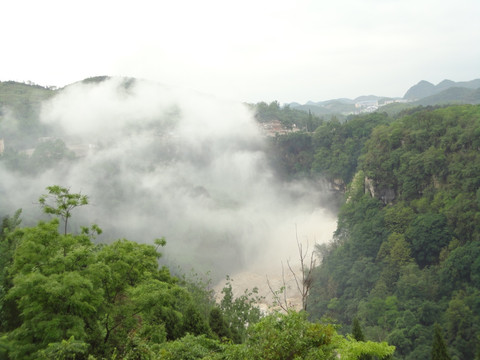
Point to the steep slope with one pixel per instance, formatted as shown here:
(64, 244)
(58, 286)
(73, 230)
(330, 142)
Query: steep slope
(420, 90)
(403, 262)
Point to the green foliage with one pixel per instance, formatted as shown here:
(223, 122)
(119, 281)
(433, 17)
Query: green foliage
(65, 350)
(405, 255)
(63, 202)
(239, 312)
(51, 287)
(353, 350)
(357, 332)
(190, 348)
(462, 267)
(20, 106)
(72, 299)
(295, 153)
(362, 221)
(65, 297)
(337, 146)
(331, 152)
(398, 217)
(291, 336)
(287, 116)
(439, 348)
(8, 244)
(427, 235)
(218, 324)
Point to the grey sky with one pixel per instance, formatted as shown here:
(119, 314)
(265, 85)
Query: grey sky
(250, 50)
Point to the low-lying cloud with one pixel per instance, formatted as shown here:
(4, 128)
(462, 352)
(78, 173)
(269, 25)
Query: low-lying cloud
(156, 162)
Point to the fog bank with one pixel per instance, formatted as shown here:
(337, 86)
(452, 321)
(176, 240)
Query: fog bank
(157, 161)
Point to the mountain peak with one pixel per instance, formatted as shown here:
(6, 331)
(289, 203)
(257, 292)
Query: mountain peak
(445, 84)
(422, 89)
(425, 89)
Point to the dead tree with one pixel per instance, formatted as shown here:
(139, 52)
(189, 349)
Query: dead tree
(304, 282)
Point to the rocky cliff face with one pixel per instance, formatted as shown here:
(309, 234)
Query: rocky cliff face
(385, 194)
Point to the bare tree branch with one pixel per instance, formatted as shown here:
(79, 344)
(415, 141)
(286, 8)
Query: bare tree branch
(276, 294)
(307, 272)
(304, 284)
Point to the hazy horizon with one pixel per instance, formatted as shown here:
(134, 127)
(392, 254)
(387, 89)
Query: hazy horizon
(246, 52)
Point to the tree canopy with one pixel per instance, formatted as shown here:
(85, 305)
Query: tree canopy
(62, 296)
(406, 245)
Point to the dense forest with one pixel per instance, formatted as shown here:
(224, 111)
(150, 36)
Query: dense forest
(406, 252)
(403, 267)
(64, 297)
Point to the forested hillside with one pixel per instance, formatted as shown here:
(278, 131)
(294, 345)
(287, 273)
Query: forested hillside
(64, 297)
(22, 101)
(406, 252)
(403, 266)
(69, 290)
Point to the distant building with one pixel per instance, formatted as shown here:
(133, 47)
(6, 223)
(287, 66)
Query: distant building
(2, 146)
(274, 127)
(366, 104)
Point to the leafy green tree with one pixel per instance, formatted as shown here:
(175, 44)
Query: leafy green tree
(357, 332)
(193, 322)
(191, 347)
(70, 349)
(52, 288)
(289, 336)
(398, 217)
(427, 235)
(200, 288)
(462, 267)
(63, 202)
(9, 316)
(218, 324)
(460, 327)
(394, 254)
(240, 312)
(439, 348)
(399, 338)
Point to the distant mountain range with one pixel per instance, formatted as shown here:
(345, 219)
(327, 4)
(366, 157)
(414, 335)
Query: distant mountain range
(426, 89)
(424, 93)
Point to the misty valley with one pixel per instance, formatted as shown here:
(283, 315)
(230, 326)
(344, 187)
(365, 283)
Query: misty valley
(141, 221)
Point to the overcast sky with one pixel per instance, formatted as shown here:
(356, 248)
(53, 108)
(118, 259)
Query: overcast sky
(249, 50)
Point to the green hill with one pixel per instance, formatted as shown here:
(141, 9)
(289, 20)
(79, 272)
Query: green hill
(425, 89)
(452, 95)
(19, 112)
(406, 252)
